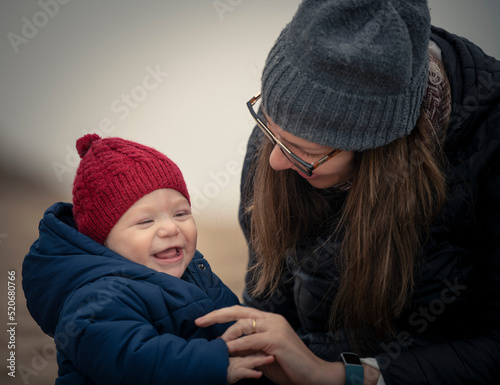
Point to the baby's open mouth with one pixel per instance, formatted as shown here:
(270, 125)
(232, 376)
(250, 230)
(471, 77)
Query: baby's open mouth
(168, 253)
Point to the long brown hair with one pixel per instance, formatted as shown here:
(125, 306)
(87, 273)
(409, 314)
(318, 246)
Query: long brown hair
(396, 191)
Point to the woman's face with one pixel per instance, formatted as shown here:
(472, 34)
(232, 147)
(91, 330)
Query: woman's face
(334, 171)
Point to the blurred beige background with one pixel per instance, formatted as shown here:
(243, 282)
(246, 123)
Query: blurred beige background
(174, 75)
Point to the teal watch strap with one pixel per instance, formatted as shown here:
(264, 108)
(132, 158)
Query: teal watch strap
(354, 372)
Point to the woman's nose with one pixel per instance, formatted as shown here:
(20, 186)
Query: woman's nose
(278, 160)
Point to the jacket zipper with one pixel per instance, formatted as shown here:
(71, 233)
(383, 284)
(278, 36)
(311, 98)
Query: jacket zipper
(197, 280)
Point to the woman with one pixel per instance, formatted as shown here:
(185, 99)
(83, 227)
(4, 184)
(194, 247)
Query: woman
(373, 212)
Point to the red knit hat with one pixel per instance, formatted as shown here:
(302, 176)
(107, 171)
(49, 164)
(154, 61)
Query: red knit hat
(113, 174)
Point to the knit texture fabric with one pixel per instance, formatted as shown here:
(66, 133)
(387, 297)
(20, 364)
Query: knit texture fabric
(113, 174)
(437, 98)
(349, 74)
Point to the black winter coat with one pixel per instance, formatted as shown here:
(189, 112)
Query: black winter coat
(450, 333)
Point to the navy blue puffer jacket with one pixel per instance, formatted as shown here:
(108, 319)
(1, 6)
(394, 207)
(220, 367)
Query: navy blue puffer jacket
(118, 322)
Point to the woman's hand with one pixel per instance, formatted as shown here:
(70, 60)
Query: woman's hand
(273, 335)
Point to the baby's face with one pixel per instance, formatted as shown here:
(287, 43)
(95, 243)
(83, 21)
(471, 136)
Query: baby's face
(157, 231)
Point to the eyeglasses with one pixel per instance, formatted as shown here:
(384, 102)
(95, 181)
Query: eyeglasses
(303, 166)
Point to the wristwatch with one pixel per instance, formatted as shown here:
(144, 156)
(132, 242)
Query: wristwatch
(354, 372)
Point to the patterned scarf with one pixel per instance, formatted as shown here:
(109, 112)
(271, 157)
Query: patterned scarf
(437, 99)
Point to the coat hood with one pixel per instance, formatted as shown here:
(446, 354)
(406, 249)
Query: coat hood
(59, 249)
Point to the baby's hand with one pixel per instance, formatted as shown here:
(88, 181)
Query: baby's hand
(244, 367)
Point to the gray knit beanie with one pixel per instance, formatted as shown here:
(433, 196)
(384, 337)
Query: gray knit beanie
(349, 74)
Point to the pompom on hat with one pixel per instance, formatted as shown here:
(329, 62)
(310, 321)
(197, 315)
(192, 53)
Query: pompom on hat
(349, 74)
(113, 174)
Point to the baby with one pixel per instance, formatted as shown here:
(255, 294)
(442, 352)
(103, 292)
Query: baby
(116, 278)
